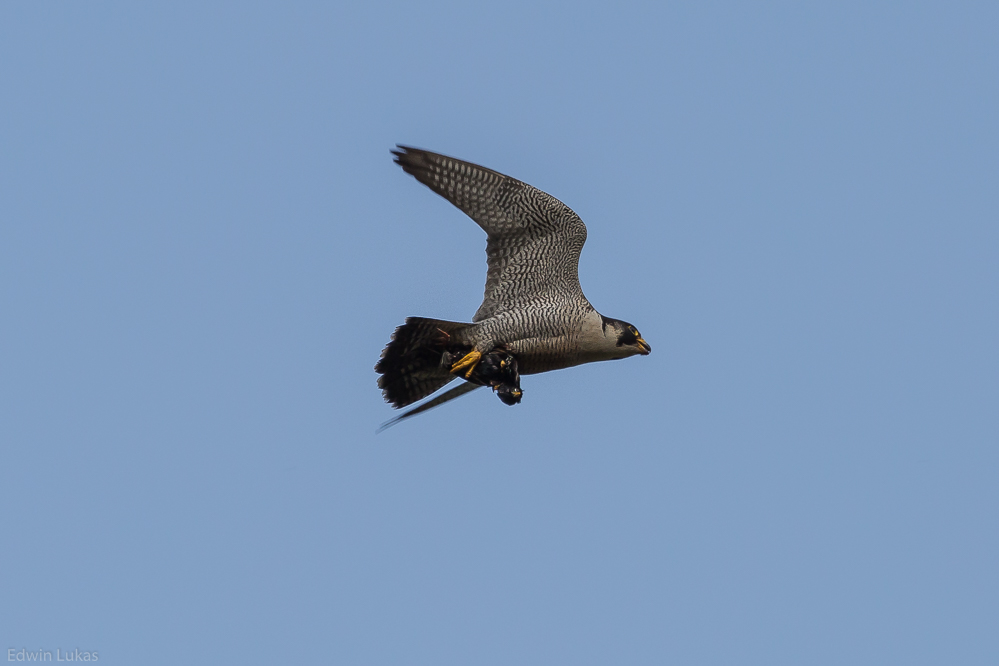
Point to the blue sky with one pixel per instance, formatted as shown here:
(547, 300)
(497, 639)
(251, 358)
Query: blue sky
(204, 245)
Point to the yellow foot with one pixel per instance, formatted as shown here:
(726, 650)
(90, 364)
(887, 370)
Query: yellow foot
(469, 360)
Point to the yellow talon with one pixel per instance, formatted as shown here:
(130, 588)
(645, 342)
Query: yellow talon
(469, 360)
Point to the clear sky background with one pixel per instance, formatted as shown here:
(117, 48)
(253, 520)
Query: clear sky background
(204, 246)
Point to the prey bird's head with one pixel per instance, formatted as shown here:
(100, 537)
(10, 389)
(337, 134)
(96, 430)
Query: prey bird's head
(627, 340)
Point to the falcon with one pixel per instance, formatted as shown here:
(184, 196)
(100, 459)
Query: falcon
(533, 308)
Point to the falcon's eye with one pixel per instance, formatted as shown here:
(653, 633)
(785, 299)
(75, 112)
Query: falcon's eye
(627, 336)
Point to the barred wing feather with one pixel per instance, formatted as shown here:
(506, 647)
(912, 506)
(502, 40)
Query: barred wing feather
(534, 240)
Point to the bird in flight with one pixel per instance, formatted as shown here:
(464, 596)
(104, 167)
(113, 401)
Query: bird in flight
(534, 316)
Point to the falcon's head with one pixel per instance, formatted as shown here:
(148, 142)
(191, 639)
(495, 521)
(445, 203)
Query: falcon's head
(628, 341)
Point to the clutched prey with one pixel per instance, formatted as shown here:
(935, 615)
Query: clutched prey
(496, 369)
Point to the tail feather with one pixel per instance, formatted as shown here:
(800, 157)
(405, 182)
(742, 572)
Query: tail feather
(410, 365)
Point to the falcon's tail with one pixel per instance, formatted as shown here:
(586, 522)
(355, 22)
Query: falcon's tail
(410, 366)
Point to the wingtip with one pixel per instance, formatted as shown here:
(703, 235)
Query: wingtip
(402, 149)
(403, 154)
(388, 424)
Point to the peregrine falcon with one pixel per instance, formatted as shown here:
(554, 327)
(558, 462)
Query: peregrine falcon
(534, 316)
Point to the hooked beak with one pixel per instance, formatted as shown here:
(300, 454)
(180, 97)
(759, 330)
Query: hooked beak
(644, 348)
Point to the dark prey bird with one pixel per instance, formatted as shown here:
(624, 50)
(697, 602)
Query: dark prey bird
(533, 312)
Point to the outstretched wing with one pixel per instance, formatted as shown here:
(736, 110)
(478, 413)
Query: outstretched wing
(534, 240)
(456, 392)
